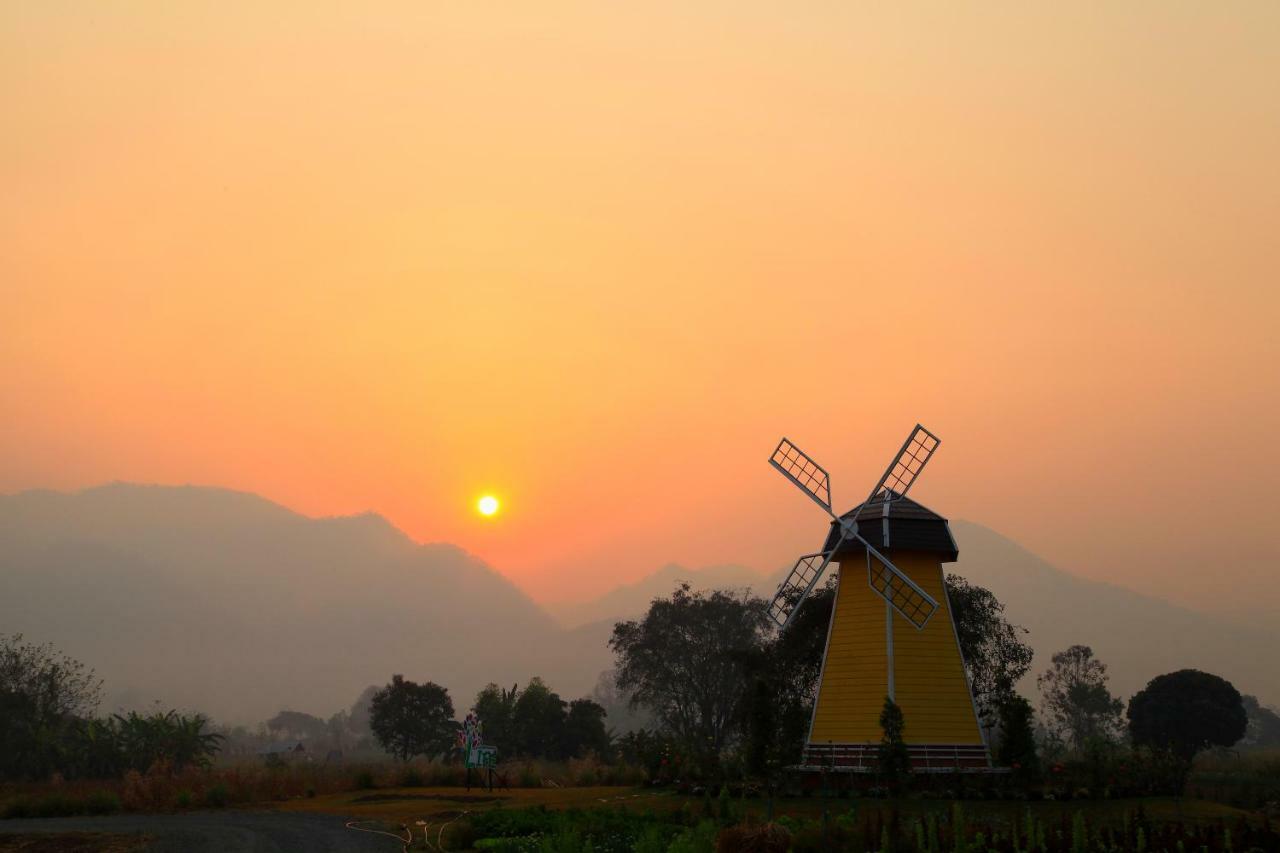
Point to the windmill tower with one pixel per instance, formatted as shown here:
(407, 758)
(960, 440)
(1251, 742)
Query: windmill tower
(891, 631)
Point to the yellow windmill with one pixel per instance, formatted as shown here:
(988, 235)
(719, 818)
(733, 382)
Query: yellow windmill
(891, 631)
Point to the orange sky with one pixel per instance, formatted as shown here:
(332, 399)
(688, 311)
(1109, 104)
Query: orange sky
(597, 258)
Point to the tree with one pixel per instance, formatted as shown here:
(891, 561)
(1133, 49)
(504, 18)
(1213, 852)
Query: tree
(1017, 748)
(43, 694)
(687, 661)
(58, 686)
(1183, 712)
(411, 719)
(295, 725)
(1075, 700)
(538, 720)
(496, 709)
(995, 656)
(795, 662)
(893, 761)
(1264, 725)
(584, 730)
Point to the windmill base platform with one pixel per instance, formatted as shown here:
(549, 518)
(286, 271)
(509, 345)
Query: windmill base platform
(925, 758)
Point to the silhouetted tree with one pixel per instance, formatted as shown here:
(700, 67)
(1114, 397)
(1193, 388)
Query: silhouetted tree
(538, 719)
(687, 660)
(1017, 748)
(1077, 706)
(411, 719)
(296, 725)
(496, 709)
(995, 656)
(43, 694)
(893, 761)
(1183, 712)
(1264, 725)
(584, 730)
(794, 664)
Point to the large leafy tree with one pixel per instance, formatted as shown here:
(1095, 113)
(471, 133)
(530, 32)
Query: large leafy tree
(688, 661)
(1183, 712)
(496, 708)
(411, 719)
(995, 654)
(1077, 705)
(584, 729)
(538, 720)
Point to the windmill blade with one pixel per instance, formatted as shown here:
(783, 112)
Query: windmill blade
(798, 467)
(905, 467)
(902, 593)
(798, 584)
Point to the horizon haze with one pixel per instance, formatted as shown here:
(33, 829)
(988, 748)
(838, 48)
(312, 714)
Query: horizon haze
(596, 260)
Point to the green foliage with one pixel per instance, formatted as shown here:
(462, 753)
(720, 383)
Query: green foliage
(584, 730)
(1017, 749)
(599, 830)
(893, 762)
(687, 661)
(539, 721)
(1184, 712)
(995, 655)
(217, 797)
(1078, 707)
(411, 719)
(696, 839)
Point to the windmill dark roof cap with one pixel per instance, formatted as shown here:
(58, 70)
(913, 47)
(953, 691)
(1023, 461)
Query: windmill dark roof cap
(912, 527)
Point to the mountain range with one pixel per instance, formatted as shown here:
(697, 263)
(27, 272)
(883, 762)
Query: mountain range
(225, 602)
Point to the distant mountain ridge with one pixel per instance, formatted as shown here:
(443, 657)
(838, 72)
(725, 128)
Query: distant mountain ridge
(1138, 636)
(631, 599)
(227, 603)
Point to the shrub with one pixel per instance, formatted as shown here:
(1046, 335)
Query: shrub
(411, 778)
(217, 796)
(364, 781)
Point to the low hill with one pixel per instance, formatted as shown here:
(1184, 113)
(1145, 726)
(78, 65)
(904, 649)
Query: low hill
(227, 603)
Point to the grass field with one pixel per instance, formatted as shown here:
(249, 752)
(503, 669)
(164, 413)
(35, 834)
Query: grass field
(429, 812)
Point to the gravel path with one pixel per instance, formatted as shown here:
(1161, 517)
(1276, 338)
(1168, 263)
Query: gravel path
(224, 832)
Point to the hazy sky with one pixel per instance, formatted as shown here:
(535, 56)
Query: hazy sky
(597, 258)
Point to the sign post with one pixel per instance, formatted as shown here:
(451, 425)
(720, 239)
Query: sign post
(475, 753)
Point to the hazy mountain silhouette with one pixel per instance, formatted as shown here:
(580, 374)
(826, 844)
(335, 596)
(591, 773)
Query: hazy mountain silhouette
(631, 599)
(227, 603)
(1138, 636)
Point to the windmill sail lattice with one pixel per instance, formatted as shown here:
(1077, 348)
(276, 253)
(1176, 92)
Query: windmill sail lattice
(797, 586)
(800, 469)
(906, 466)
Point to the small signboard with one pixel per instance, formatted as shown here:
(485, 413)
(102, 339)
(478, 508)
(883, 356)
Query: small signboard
(483, 756)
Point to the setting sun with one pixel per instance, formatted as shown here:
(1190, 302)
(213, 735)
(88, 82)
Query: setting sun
(487, 505)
